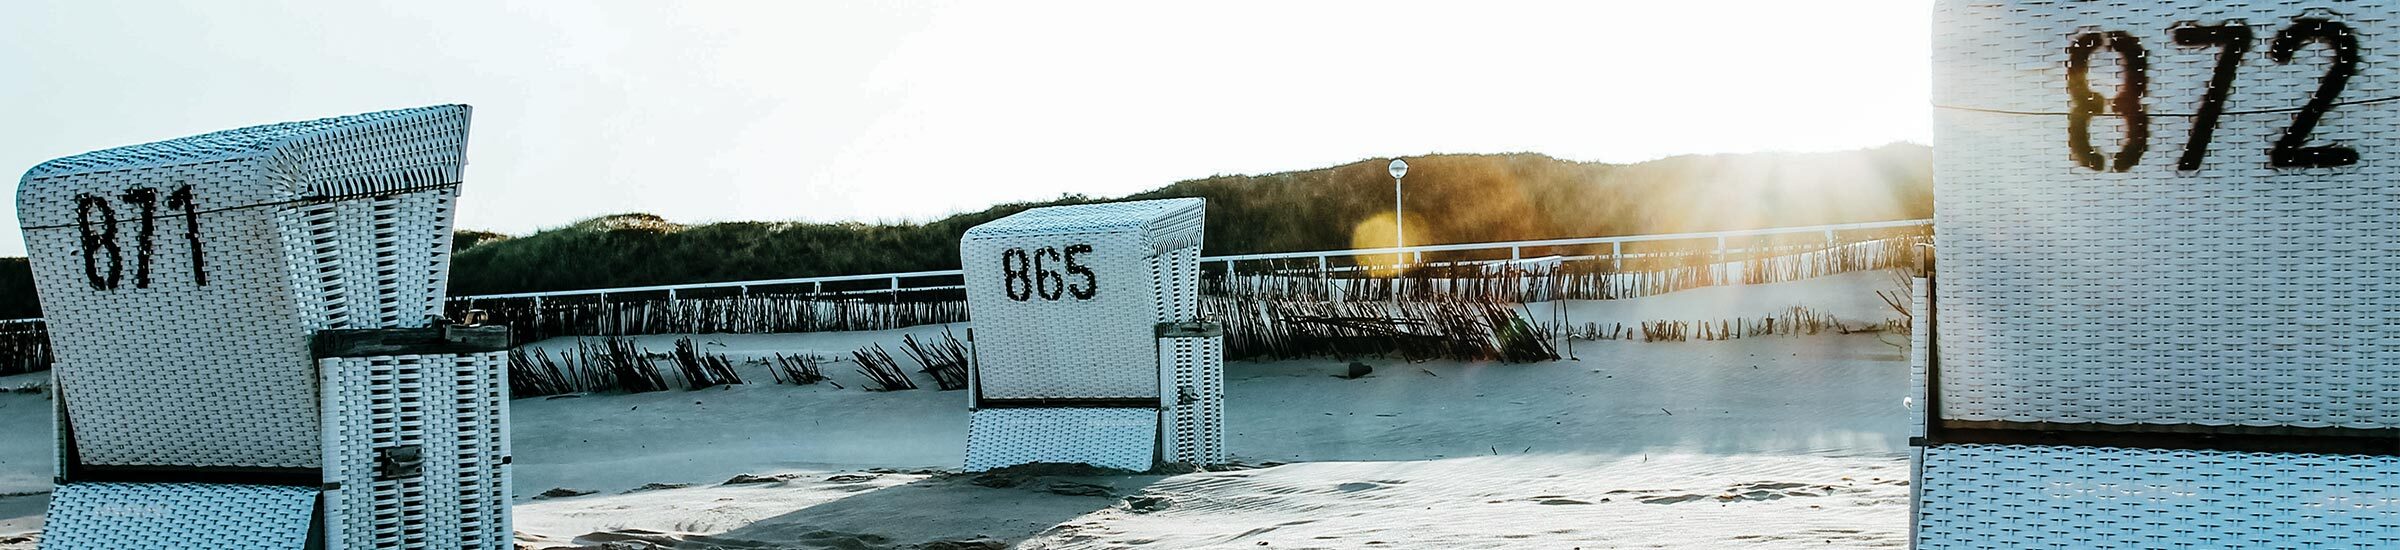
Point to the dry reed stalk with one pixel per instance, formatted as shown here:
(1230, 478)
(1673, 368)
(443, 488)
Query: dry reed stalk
(1423, 329)
(802, 369)
(527, 378)
(1795, 321)
(627, 366)
(700, 369)
(947, 361)
(879, 368)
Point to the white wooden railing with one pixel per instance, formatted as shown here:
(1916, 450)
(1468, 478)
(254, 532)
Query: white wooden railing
(893, 281)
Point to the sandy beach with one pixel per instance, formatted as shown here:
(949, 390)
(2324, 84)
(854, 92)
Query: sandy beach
(1763, 442)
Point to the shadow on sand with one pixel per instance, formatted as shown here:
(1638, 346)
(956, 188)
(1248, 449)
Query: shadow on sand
(21, 513)
(993, 511)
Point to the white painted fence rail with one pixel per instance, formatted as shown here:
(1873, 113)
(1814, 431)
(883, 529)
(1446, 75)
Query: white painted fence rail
(1323, 260)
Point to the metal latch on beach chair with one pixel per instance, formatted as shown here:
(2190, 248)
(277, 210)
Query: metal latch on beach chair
(1191, 392)
(1173, 394)
(1190, 329)
(400, 461)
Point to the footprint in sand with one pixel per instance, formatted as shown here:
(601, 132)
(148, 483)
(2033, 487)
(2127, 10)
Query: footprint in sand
(1748, 492)
(1671, 499)
(1357, 486)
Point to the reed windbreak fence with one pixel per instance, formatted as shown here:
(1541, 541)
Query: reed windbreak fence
(531, 320)
(1586, 278)
(24, 346)
(1507, 272)
(1598, 268)
(1287, 314)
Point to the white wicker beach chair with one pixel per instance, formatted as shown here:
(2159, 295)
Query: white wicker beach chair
(1087, 345)
(2164, 314)
(246, 356)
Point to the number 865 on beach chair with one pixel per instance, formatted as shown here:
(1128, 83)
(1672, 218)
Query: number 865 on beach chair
(1088, 344)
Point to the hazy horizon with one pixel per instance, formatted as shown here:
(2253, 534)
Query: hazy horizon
(765, 111)
(934, 216)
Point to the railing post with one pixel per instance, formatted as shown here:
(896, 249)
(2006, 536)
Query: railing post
(1616, 255)
(895, 286)
(745, 291)
(1325, 280)
(1720, 267)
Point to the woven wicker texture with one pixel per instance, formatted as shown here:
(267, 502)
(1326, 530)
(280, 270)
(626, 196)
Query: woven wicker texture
(1067, 301)
(318, 156)
(1046, 330)
(2011, 496)
(291, 228)
(453, 408)
(1125, 439)
(1919, 336)
(2236, 294)
(59, 433)
(1176, 271)
(144, 516)
(1195, 430)
(1172, 223)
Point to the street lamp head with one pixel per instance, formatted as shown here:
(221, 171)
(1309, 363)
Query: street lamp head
(1399, 168)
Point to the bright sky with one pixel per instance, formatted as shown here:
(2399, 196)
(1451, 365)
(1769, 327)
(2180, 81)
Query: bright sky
(704, 111)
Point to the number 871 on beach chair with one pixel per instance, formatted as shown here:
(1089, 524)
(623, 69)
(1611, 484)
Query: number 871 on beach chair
(1088, 344)
(248, 346)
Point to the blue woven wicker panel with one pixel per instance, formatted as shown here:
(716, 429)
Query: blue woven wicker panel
(1110, 438)
(2014, 496)
(90, 516)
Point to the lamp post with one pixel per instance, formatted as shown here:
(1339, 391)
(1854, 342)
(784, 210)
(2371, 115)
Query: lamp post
(1399, 224)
